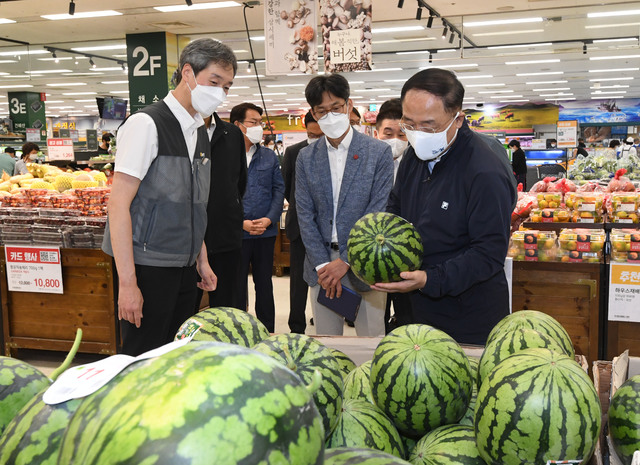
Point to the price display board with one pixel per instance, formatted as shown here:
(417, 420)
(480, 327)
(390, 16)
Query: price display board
(34, 269)
(60, 149)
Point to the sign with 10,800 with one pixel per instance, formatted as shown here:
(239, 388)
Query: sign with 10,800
(34, 269)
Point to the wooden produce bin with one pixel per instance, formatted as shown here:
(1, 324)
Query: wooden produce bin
(621, 336)
(569, 292)
(49, 321)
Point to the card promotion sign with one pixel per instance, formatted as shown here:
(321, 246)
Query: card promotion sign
(624, 292)
(34, 269)
(60, 149)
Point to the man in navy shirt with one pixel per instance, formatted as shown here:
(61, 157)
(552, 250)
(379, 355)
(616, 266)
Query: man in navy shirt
(459, 194)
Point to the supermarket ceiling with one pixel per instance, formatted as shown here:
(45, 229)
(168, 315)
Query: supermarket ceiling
(518, 50)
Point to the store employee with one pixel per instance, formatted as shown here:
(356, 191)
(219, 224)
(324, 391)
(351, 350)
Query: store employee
(459, 194)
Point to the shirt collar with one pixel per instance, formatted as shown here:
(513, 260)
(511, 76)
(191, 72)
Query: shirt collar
(344, 144)
(187, 122)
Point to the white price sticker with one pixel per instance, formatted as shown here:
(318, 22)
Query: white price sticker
(34, 269)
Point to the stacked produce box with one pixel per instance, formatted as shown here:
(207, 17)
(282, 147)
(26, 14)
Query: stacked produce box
(581, 245)
(624, 207)
(625, 245)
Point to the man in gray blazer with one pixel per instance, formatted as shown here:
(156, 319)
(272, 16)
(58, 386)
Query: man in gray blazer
(340, 178)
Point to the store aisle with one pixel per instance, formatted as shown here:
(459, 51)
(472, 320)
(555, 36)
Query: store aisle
(48, 361)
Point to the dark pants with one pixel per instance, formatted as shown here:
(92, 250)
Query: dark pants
(226, 266)
(298, 288)
(169, 299)
(401, 311)
(258, 253)
(522, 179)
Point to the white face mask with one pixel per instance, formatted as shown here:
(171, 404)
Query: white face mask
(334, 126)
(206, 99)
(254, 134)
(429, 146)
(311, 140)
(397, 146)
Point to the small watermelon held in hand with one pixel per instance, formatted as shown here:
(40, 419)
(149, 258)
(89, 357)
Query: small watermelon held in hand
(383, 245)
(624, 419)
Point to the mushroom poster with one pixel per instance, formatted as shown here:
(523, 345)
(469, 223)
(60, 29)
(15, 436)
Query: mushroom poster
(346, 35)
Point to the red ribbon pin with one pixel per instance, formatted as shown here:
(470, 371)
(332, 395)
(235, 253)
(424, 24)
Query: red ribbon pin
(355, 157)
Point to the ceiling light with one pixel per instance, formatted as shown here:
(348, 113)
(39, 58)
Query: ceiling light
(559, 99)
(91, 63)
(615, 70)
(258, 38)
(188, 2)
(48, 71)
(72, 8)
(451, 38)
(498, 47)
(270, 93)
(395, 41)
(606, 14)
(559, 94)
(86, 14)
(618, 25)
(84, 100)
(115, 82)
(390, 96)
(552, 89)
(118, 91)
(400, 3)
(445, 31)
(394, 80)
(197, 6)
(430, 20)
(296, 99)
(414, 52)
(514, 101)
(17, 86)
(252, 76)
(6, 21)
(287, 85)
(503, 21)
(382, 30)
(66, 84)
(611, 79)
(18, 53)
(419, 14)
(8, 61)
(55, 57)
(78, 93)
(54, 101)
(609, 92)
(608, 97)
(495, 92)
(378, 69)
(627, 39)
(532, 62)
(502, 96)
(479, 76)
(505, 33)
(615, 86)
(533, 83)
(486, 85)
(467, 65)
(373, 90)
(540, 74)
(618, 57)
(584, 50)
(100, 47)
(109, 68)
(125, 69)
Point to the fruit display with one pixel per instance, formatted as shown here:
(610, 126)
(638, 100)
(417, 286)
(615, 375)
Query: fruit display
(625, 245)
(449, 444)
(624, 207)
(357, 385)
(381, 246)
(581, 245)
(359, 456)
(624, 419)
(550, 215)
(362, 424)
(586, 202)
(533, 245)
(537, 405)
(586, 217)
(441, 383)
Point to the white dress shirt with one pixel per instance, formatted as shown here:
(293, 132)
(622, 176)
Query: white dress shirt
(396, 165)
(337, 162)
(137, 139)
(250, 153)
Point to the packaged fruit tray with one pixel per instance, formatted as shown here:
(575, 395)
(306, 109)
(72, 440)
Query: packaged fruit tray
(550, 215)
(625, 245)
(625, 202)
(574, 256)
(587, 217)
(624, 217)
(533, 245)
(585, 202)
(549, 199)
(581, 240)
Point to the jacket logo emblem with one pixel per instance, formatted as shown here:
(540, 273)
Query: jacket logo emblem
(445, 205)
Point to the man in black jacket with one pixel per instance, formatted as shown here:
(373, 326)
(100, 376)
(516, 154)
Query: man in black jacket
(457, 192)
(519, 163)
(298, 288)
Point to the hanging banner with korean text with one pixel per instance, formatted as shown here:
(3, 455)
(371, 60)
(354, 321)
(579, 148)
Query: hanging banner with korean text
(346, 35)
(624, 292)
(290, 44)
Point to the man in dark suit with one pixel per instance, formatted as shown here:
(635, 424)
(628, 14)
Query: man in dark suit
(297, 286)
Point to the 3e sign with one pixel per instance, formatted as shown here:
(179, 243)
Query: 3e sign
(17, 107)
(154, 62)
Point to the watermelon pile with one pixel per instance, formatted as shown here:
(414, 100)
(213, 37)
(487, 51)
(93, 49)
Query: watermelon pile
(624, 419)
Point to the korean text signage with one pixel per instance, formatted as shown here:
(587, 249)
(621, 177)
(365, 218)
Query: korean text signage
(624, 292)
(26, 110)
(34, 269)
(346, 35)
(567, 135)
(60, 149)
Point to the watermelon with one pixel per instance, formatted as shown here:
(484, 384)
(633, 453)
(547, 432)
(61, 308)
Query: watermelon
(539, 321)
(305, 356)
(537, 405)
(19, 383)
(202, 403)
(447, 445)
(421, 379)
(409, 444)
(381, 246)
(509, 342)
(224, 324)
(35, 433)
(356, 456)
(346, 364)
(357, 386)
(624, 419)
(467, 419)
(362, 424)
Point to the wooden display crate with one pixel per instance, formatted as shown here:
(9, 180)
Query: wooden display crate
(569, 292)
(49, 321)
(621, 336)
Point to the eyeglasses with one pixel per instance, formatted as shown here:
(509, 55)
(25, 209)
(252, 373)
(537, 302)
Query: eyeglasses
(408, 127)
(336, 110)
(250, 123)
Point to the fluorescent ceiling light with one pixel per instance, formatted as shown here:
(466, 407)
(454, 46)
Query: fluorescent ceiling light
(23, 52)
(608, 97)
(48, 71)
(479, 76)
(118, 91)
(378, 69)
(356, 82)
(616, 86)
(79, 93)
(55, 59)
(468, 65)
(446, 50)
(356, 97)
(373, 90)
(285, 104)
(559, 99)
(601, 26)
(108, 68)
(607, 14)
(258, 101)
(382, 30)
(627, 39)
(195, 6)
(83, 14)
(561, 94)
(503, 96)
(540, 74)
(258, 38)
(100, 47)
(533, 83)
(414, 52)
(296, 99)
(115, 82)
(253, 76)
(84, 100)
(240, 87)
(54, 101)
(515, 100)
(532, 62)
(8, 61)
(503, 21)
(61, 108)
(395, 80)
(83, 74)
(612, 70)
(65, 84)
(393, 41)
(611, 79)
(283, 85)
(618, 57)
(240, 51)
(508, 33)
(495, 92)
(270, 93)
(6, 21)
(390, 96)
(499, 47)
(486, 85)
(609, 92)
(550, 90)
(17, 86)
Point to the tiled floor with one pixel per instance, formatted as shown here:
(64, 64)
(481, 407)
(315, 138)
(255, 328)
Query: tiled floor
(48, 361)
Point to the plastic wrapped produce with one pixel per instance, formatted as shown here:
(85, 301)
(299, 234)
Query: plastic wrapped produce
(625, 244)
(532, 245)
(550, 215)
(542, 186)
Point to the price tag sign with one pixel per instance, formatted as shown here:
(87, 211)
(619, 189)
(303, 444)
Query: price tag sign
(34, 269)
(60, 149)
(33, 135)
(624, 292)
(567, 134)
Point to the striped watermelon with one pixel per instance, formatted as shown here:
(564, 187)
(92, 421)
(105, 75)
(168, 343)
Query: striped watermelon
(19, 383)
(355, 456)
(224, 324)
(381, 246)
(420, 378)
(537, 405)
(346, 364)
(447, 445)
(624, 419)
(305, 356)
(362, 424)
(357, 385)
(203, 403)
(539, 321)
(509, 342)
(467, 419)
(35, 433)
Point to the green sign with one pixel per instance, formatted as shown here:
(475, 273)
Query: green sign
(26, 110)
(152, 58)
(92, 140)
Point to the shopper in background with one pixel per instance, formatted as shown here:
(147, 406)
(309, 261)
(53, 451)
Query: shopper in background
(7, 162)
(627, 149)
(611, 152)
(518, 163)
(355, 118)
(157, 210)
(581, 149)
(340, 178)
(298, 288)
(636, 143)
(263, 201)
(29, 154)
(104, 147)
(453, 187)
(224, 210)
